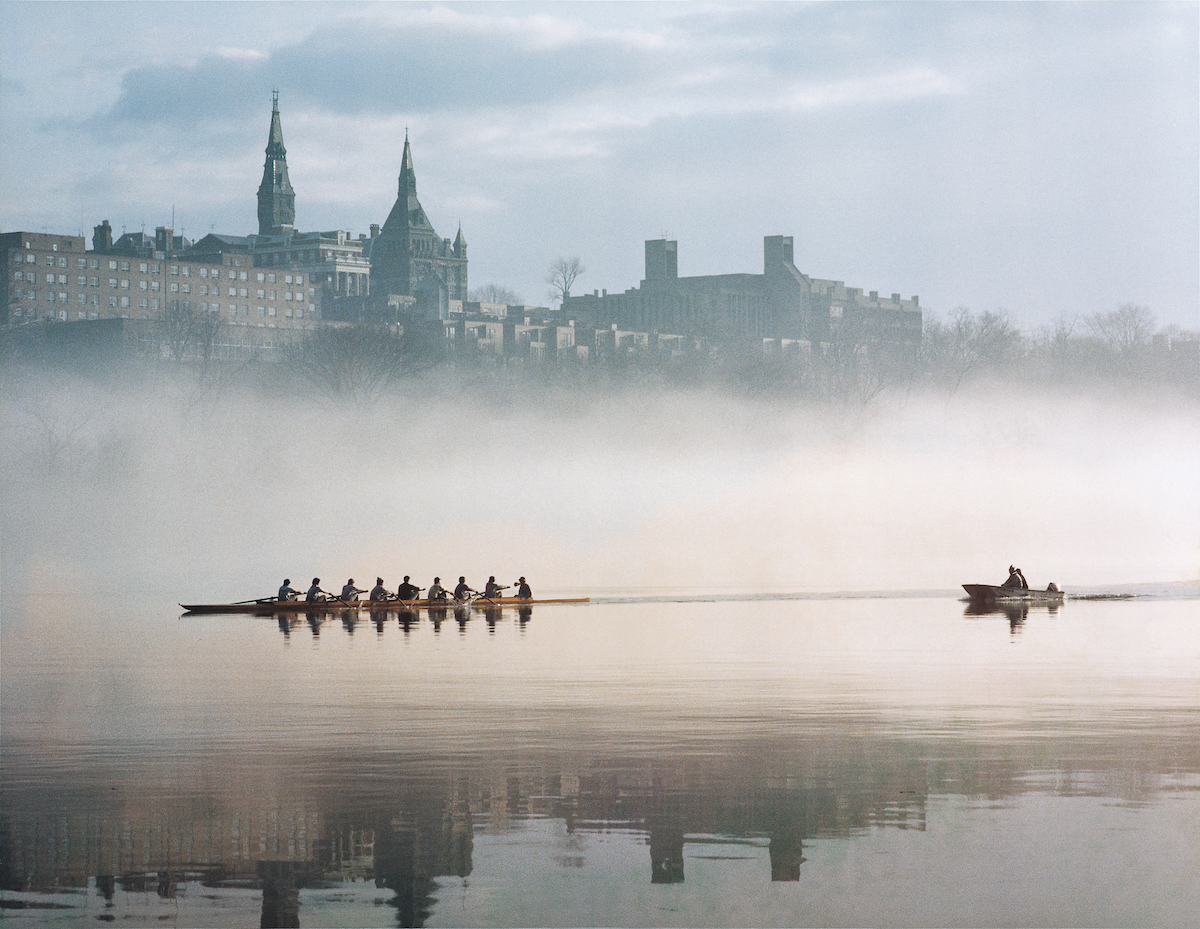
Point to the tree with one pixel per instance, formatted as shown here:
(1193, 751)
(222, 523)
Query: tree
(1126, 329)
(495, 293)
(184, 328)
(562, 275)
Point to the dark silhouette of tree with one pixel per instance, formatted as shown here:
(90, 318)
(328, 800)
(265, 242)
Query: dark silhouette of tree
(562, 275)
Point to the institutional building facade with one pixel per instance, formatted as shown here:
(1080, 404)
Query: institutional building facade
(782, 303)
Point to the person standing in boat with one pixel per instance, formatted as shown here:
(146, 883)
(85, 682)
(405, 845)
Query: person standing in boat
(463, 590)
(523, 590)
(437, 591)
(315, 593)
(407, 590)
(1014, 579)
(491, 589)
(287, 592)
(1024, 583)
(378, 592)
(350, 592)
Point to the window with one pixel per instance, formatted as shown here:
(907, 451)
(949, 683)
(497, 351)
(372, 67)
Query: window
(187, 288)
(203, 289)
(112, 301)
(271, 311)
(50, 261)
(83, 299)
(204, 272)
(62, 278)
(244, 276)
(175, 270)
(125, 266)
(288, 279)
(288, 311)
(174, 287)
(154, 269)
(124, 283)
(187, 270)
(261, 293)
(31, 259)
(82, 281)
(142, 285)
(94, 282)
(142, 267)
(155, 286)
(271, 277)
(233, 275)
(299, 312)
(62, 261)
(287, 296)
(261, 277)
(95, 264)
(244, 292)
(50, 296)
(124, 301)
(274, 295)
(112, 265)
(154, 303)
(112, 282)
(62, 297)
(49, 278)
(144, 302)
(81, 263)
(95, 301)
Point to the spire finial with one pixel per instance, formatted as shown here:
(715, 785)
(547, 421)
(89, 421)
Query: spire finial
(275, 99)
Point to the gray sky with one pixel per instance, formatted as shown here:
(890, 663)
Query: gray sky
(1036, 158)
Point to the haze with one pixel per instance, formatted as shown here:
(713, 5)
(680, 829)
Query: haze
(143, 482)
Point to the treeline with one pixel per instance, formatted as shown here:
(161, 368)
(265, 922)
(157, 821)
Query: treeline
(362, 364)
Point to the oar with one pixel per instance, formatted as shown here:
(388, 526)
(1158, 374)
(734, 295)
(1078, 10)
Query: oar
(255, 600)
(335, 597)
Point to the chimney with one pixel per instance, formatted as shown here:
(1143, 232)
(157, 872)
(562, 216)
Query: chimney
(164, 238)
(374, 230)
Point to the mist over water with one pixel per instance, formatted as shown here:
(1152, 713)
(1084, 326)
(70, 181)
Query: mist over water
(143, 481)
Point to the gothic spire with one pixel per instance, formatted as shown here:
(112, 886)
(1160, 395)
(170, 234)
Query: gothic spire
(276, 198)
(408, 178)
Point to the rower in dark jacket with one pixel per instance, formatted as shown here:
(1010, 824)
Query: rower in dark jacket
(407, 591)
(523, 590)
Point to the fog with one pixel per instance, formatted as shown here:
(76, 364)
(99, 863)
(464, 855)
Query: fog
(146, 480)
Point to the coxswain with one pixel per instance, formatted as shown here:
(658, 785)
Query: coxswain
(407, 591)
(287, 592)
(491, 588)
(462, 591)
(523, 590)
(437, 591)
(379, 592)
(350, 592)
(315, 593)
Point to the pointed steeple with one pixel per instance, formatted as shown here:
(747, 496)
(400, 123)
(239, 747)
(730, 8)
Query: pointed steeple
(276, 198)
(408, 177)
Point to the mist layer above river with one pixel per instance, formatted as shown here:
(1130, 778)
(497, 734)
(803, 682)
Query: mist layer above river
(141, 483)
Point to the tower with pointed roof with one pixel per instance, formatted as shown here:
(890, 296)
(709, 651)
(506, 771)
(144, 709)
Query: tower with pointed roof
(409, 259)
(276, 199)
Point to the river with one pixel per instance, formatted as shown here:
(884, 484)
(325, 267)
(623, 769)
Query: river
(675, 759)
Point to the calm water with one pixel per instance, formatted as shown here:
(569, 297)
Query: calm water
(892, 760)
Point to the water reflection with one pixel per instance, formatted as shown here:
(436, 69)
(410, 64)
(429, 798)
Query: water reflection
(715, 752)
(1016, 613)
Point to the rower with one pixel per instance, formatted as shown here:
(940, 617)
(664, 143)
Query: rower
(350, 592)
(315, 593)
(462, 591)
(407, 591)
(523, 590)
(491, 588)
(378, 592)
(437, 591)
(287, 592)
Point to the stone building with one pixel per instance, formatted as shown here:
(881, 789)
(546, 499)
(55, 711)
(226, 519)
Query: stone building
(408, 259)
(782, 303)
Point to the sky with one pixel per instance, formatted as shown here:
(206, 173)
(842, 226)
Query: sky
(1038, 159)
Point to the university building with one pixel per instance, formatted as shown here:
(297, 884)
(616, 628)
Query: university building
(782, 305)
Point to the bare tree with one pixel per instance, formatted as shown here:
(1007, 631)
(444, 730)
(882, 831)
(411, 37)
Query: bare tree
(495, 293)
(562, 275)
(969, 343)
(1126, 329)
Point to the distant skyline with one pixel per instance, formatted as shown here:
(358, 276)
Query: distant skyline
(1035, 158)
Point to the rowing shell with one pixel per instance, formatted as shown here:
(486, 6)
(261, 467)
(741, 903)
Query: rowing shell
(393, 606)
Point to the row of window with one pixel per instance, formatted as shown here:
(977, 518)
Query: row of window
(151, 303)
(147, 267)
